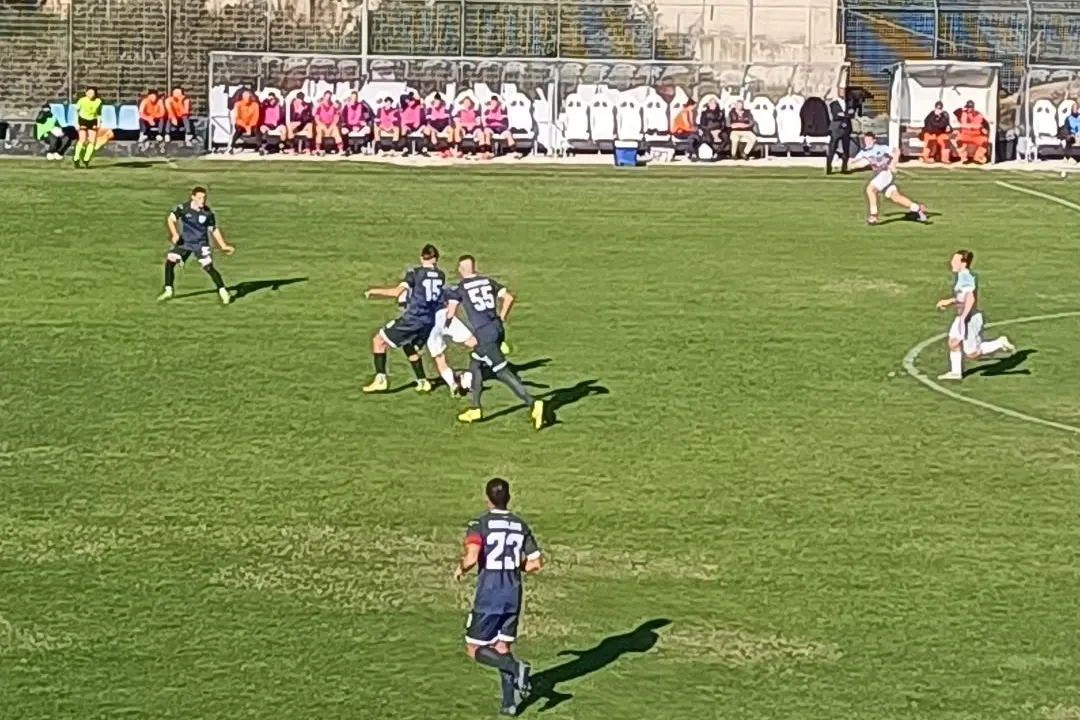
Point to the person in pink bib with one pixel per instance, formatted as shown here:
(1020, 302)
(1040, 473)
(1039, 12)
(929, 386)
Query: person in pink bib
(356, 123)
(439, 129)
(388, 123)
(273, 121)
(299, 122)
(496, 125)
(412, 121)
(328, 123)
(467, 123)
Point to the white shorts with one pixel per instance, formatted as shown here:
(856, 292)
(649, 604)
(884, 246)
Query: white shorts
(884, 182)
(969, 333)
(436, 342)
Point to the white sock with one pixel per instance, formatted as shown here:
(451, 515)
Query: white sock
(991, 346)
(447, 374)
(873, 210)
(956, 362)
(915, 207)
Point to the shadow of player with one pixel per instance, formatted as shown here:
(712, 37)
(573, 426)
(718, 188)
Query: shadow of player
(905, 217)
(556, 399)
(243, 289)
(544, 684)
(1003, 366)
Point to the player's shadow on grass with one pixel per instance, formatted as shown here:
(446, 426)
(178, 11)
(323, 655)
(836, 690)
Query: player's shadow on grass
(243, 289)
(904, 216)
(1003, 366)
(556, 399)
(545, 684)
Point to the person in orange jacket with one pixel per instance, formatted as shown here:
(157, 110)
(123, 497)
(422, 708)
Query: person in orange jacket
(151, 117)
(972, 138)
(937, 135)
(178, 113)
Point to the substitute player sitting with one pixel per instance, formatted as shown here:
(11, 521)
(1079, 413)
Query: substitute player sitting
(965, 333)
(882, 162)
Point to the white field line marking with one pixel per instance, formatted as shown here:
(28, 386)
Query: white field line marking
(913, 354)
(1035, 193)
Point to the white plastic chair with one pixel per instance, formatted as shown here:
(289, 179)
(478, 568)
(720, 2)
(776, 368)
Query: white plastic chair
(576, 120)
(764, 113)
(1044, 122)
(628, 116)
(788, 120)
(657, 123)
(601, 119)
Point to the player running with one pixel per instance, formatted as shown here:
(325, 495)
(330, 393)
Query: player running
(191, 227)
(882, 161)
(88, 110)
(501, 544)
(424, 285)
(479, 295)
(965, 333)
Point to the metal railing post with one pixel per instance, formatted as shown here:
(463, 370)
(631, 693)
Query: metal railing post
(365, 48)
(71, 51)
(937, 27)
(749, 55)
(168, 46)
(558, 30)
(461, 24)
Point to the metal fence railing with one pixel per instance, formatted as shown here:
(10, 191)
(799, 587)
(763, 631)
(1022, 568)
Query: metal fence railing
(1015, 33)
(51, 49)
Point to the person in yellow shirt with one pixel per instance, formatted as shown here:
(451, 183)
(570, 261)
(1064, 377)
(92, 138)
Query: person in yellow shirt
(88, 109)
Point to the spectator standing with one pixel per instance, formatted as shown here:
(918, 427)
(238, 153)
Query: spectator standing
(178, 115)
(247, 114)
(972, 142)
(937, 135)
(841, 113)
(741, 122)
(273, 122)
(151, 117)
(328, 123)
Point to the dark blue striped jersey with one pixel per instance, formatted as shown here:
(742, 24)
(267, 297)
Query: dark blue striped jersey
(505, 543)
(479, 295)
(195, 225)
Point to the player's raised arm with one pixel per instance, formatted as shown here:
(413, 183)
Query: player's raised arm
(386, 292)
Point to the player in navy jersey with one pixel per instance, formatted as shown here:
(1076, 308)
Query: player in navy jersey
(503, 547)
(424, 287)
(192, 225)
(487, 304)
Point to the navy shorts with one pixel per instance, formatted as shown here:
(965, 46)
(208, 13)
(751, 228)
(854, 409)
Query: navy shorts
(180, 253)
(488, 351)
(406, 331)
(489, 628)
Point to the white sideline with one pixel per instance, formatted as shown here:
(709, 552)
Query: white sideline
(913, 354)
(1044, 196)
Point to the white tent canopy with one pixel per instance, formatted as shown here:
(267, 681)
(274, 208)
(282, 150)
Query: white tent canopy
(918, 84)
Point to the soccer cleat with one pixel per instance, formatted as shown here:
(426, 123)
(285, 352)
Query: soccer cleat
(872, 220)
(921, 215)
(537, 414)
(167, 294)
(226, 298)
(509, 711)
(1006, 345)
(951, 376)
(471, 415)
(379, 384)
(504, 348)
(423, 386)
(522, 683)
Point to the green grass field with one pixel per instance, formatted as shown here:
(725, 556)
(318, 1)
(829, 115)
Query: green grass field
(203, 517)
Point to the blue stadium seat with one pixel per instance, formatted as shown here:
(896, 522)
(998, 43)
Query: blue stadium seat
(128, 118)
(72, 115)
(108, 117)
(59, 111)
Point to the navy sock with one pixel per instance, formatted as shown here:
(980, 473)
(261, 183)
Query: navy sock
(507, 689)
(476, 369)
(215, 276)
(505, 663)
(380, 363)
(170, 273)
(418, 367)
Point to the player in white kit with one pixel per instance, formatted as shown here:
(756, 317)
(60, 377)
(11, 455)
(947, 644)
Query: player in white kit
(965, 333)
(882, 162)
(456, 331)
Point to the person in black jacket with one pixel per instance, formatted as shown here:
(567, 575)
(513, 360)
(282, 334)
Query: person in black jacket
(711, 127)
(840, 114)
(937, 135)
